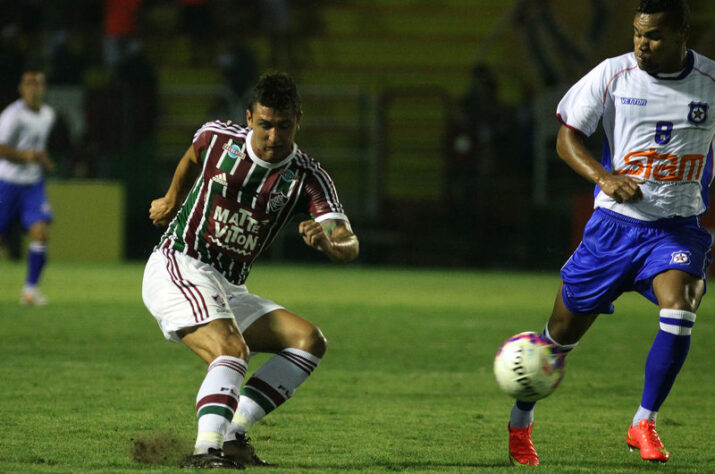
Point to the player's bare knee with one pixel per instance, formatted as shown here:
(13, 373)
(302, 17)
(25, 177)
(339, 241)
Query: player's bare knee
(686, 301)
(681, 305)
(234, 347)
(313, 342)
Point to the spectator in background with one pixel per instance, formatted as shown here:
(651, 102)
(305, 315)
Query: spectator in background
(484, 114)
(12, 59)
(63, 25)
(537, 20)
(25, 127)
(120, 28)
(124, 114)
(475, 144)
(29, 18)
(238, 63)
(239, 69)
(470, 151)
(196, 21)
(65, 65)
(276, 23)
(136, 74)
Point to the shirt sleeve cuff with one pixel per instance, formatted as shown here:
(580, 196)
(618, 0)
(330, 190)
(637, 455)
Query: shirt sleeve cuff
(332, 215)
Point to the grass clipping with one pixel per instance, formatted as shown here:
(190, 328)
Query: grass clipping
(159, 449)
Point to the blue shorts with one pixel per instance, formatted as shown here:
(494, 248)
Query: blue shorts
(619, 254)
(26, 202)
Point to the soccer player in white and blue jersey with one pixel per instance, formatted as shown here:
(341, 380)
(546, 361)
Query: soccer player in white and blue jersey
(25, 127)
(645, 235)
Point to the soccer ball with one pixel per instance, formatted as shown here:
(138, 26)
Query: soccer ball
(528, 367)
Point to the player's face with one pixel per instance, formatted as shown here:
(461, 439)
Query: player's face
(273, 132)
(32, 89)
(659, 47)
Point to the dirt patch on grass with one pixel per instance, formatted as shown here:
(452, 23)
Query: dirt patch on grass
(160, 449)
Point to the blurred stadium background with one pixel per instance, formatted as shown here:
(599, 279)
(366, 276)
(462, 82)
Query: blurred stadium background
(435, 119)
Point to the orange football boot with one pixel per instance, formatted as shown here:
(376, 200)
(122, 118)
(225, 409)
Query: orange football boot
(521, 449)
(644, 437)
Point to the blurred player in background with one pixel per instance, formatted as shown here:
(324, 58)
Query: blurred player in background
(25, 127)
(232, 192)
(651, 187)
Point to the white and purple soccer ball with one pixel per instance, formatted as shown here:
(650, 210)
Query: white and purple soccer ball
(528, 367)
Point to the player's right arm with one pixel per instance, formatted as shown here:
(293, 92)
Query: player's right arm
(164, 209)
(17, 156)
(333, 237)
(571, 149)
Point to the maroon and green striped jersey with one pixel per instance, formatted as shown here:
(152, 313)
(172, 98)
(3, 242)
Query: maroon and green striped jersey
(239, 202)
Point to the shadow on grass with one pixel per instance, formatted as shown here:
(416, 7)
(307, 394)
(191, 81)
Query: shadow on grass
(396, 466)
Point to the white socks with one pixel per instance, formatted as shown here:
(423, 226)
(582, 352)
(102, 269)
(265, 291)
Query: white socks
(217, 400)
(270, 386)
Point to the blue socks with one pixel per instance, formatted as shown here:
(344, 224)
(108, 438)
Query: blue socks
(666, 357)
(36, 259)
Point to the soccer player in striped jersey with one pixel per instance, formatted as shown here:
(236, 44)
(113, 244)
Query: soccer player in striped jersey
(652, 186)
(232, 192)
(25, 127)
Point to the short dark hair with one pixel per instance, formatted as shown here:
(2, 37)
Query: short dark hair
(677, 11)
(31, 65)
(277, 91)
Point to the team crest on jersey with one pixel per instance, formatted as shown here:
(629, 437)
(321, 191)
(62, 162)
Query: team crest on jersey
(680, 257)
(277, 200)
(234, 151)
(698, 112)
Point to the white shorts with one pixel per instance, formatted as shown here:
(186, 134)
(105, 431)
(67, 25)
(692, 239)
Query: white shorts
(182, 292)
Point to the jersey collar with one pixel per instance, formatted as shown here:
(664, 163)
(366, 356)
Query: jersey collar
(690, 62)
(27, 107)
(264, 163)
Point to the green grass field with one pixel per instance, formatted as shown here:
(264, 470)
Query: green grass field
(406, 384)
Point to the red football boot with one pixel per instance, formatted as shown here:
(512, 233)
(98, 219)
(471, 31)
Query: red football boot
(644, 437)
(521, 449)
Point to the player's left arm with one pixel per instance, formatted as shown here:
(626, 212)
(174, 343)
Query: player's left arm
(16, 155)
(333, 237)
(163, 209)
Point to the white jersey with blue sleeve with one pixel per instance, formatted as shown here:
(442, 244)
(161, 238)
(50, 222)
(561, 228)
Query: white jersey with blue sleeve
(658, 128)
(23, 128)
